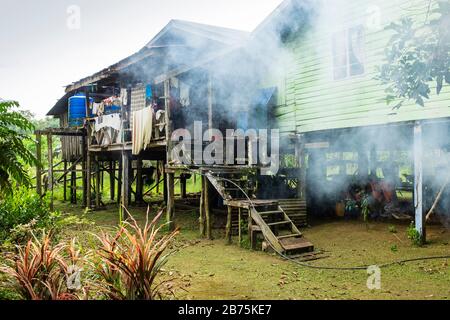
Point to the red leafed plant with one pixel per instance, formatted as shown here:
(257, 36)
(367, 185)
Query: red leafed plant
(132, 259)
(40, 270)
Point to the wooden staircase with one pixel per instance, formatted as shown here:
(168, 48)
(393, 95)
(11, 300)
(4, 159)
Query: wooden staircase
(266, 216)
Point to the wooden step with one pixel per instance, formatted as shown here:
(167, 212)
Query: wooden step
(269, 213)
(289, 236)
(280, 223)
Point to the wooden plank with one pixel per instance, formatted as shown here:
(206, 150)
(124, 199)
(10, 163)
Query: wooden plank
(170, 201)
(125, 190)
(208, 210)
(39, 164)
(50, 168)
(202, 208)
(228, 227)
(112, 180)
(65, 181)
(97, 183)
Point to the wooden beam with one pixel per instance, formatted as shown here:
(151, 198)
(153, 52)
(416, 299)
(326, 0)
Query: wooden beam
(208, 210)
(84, 147)
(73, 185)
(119, 182)
(65, 181)
(418, 181)
(228, 227)
(112, 180)
(97, 183)
(125, 182)
(50, 168)
(88, 180)
(170, 200)
(201, 219)
(39, 164)
(183, 189)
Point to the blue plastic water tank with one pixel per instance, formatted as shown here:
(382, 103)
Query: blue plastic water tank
(77, 109)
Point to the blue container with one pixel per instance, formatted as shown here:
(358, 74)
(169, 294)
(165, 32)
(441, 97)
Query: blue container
(77, 109)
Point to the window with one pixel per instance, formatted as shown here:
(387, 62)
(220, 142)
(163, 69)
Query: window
(348, 53)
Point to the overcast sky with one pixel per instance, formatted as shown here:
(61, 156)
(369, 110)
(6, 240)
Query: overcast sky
(40, 53)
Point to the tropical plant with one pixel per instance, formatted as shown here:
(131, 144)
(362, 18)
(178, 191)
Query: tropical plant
(23, 210)
(414, 235)
(41, 271)
(132, 259)
(14, 131)
(418, 56)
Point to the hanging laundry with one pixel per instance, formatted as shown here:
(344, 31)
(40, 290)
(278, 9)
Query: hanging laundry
(142, 129)
(108, 121)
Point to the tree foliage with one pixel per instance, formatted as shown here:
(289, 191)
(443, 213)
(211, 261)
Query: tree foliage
(14, 132)
(418, 57)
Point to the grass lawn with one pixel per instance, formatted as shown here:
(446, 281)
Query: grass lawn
(204, 269)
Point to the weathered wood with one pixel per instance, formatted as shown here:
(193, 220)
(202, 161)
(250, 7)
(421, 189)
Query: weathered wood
(119, 182)
(228, 227)
(208, 210)
(88, 180)
(170, 200)
(73, 185)
(240, 226)
(201, 219)
(50, 169)
(418, 181)
(84, 169)
(65, 181)
(97, 183)
(125, 193)
(39, 164)
(112, 180)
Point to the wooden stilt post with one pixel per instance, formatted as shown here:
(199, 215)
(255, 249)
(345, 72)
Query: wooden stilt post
(208, 210)
(84, 147)
(39, 164)
(65, 181)
(112, 179)
(119, 182)
(73, 185)
(240, 226)
(88, 180)
(97, 183)
(201, 219)
(418, 181)
(170, 200)
(88, 169)
(50, 169)
(228, 227)
(139, 182)
(125, 182)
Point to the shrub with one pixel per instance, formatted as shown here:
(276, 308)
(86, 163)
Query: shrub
(414, 235)
(132, 259)
(23, 207)
(41, 271)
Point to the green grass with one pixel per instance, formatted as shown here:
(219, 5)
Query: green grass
(213, 270)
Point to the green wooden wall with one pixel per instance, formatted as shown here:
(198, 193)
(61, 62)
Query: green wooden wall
(309, 97)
